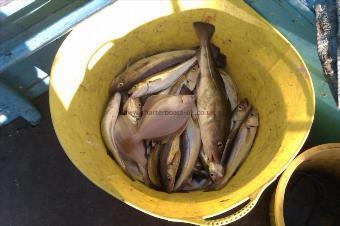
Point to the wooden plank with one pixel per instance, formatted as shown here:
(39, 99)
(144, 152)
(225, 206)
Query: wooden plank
(35, 38)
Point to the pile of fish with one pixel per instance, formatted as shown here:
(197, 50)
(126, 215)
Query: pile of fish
(175, 121)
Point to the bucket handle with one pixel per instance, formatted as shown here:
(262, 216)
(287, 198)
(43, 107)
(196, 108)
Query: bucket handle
(252, 201)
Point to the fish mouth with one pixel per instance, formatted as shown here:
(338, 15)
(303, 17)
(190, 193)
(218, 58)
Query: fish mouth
(170, 183)
(216, 172)
(170, 189)
(216, 178)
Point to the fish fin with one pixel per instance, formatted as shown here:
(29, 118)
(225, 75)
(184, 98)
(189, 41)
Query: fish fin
(204, 30)
(221, 60)
(152, 100)
(215, 50)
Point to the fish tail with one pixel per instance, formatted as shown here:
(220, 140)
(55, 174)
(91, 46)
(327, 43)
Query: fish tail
(204, 30)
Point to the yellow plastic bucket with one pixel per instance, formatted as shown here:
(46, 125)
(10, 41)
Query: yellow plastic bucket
(324, 158)
(264, 65)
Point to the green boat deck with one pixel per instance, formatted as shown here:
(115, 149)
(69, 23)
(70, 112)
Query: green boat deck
(297, 23)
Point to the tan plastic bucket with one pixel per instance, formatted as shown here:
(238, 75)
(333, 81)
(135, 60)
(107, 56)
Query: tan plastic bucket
(325, 158)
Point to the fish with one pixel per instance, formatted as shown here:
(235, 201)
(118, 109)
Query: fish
(170, 159)
(194, 184)
(162, 116)
(123, 129)
(211, 99)
(182, 90)
(175, 89)
(124, 99)
(148, 66)
(198, 165)
(203, 158)
(133, 109)
(107, 124)
(200, 172)
(239, 115)
(243, 143)
(216, 170)
(189, 80)
(165, 91)
(154, 164)
(162, 80)
(194, 113)
(190, 145)
(230, 88)
(199, 169)
(192, 77)
(219, 58)
(149, 144)
(133, 170)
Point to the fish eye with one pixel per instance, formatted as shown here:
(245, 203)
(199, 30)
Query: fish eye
(169, 178)
(139, 104)
(120, 84)
(212, 175)
(219, 144)
(240, 107)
